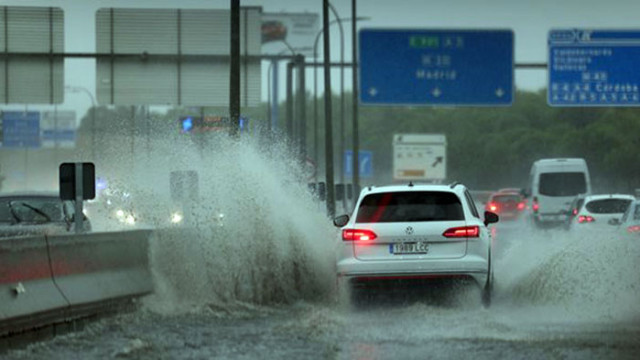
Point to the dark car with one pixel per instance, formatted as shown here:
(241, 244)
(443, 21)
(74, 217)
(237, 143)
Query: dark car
(36, 214)
(509, 205)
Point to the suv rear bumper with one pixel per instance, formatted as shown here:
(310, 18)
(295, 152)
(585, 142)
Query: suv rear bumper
(469, 265)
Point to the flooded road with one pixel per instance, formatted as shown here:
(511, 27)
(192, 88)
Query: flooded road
(557, 297)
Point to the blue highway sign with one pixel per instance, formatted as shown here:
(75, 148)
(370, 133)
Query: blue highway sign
(594, 67)
(365, 162)
(21, 129)
(436, 67)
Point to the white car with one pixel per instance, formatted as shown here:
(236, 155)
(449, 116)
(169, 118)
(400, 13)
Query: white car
(629, 224)
(598, 211)
(415, 232)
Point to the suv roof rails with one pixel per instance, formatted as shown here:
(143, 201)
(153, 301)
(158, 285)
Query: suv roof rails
(454, 184)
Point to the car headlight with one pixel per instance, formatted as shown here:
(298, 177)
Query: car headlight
(130, 219)
(126, 217)
(176, 218)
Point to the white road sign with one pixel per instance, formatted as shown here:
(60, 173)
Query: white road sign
(419, 157)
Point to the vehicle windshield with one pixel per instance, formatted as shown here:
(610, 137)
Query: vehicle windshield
(608, 206)
(507, 198)
(31, 210)
(410, 207)
(562, 184)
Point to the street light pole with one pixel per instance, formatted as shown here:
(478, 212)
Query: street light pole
(354, 112)
(77, 89)
(339, 21)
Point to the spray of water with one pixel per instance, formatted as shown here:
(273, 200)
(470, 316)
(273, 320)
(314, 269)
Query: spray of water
(254, 235)
(573, 275)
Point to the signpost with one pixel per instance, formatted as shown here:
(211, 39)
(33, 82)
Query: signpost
(365, 161)
(21, 129)
(436, 67)
(594, 67)
(419, 157)
(78, 183)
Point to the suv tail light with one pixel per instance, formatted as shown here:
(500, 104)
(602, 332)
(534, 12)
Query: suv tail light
(535, 205)
(462, 232)
(585, 219)
(521, 205)
(358, 234)
(493, 207)
(633, 229)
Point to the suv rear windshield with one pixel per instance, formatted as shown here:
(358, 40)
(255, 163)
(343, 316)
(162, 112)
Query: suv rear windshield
(562, 184)
(410, 206)
(608, 206)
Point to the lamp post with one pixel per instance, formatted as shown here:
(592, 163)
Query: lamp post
(273, 105)
(338, 21)
(78, 89)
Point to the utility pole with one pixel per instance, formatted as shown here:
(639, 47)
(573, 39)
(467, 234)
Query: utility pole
(234, 72)
(354, 103)
(331, 204)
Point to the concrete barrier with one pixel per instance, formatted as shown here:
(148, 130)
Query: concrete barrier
(101, 266)
(27, 290)
(50, 279)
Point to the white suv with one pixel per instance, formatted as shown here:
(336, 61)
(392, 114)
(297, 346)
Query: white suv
(415, 232)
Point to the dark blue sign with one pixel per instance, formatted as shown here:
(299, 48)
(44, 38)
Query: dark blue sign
(365, 162)
(21, 129)
(436, 67)
(594, 68)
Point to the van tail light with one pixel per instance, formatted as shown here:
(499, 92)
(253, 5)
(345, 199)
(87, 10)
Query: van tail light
(633, 229)
(585, 219)
(535, 206)
(521, 205)
(358, 235)
(462, 232)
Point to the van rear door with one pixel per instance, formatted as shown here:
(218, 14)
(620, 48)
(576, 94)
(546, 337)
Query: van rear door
(556, 190)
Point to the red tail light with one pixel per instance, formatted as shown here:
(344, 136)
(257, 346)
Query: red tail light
(575, 212)
(493, 207)
(358, 234)
(535, 205)
(585, 219)
(633, 229)
(463, 231)
(521, 205)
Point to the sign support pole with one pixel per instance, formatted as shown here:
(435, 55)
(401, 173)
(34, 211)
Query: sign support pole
(78, 215)
(331, 204)
(234, 66)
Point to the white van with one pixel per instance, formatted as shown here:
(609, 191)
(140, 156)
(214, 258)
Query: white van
(553, 184)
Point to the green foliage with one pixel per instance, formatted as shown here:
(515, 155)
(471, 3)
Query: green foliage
(488, 147)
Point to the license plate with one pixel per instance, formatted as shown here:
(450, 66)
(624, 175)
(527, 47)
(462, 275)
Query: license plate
(409, 248)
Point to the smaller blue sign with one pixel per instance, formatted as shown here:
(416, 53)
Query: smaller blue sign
(21, 129)
(59, 135)
(365, 162)
(594, 67)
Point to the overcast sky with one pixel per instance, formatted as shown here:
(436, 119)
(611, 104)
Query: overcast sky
(529, 19)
